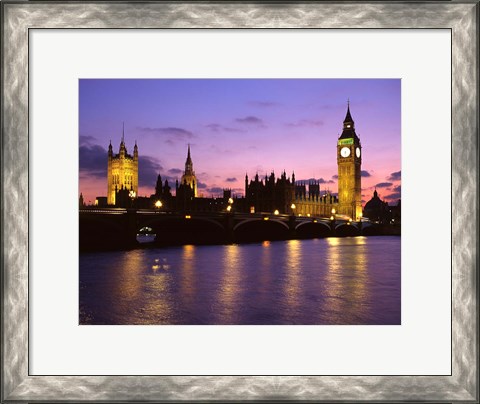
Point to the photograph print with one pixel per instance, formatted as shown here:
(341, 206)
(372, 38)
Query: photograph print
(239, 201)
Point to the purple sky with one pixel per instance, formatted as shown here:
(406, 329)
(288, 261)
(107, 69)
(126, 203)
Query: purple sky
(238, 126)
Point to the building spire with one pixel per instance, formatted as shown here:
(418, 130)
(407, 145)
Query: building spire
(349, 126)
(348, 117)
(189, 163)
(123, 132)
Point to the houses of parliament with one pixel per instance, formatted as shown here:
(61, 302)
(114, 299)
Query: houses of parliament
(283, 194)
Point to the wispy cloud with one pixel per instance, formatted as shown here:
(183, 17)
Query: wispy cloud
(86, 140)
(393, 197)
(92, 159)
(396, 176)
(251, 120)
(175, 171)
(172, 135)
(216, 127)
(264, 104)
(384, 184)
(365, 173)
(304, 123)
(232, 179)
(148, 170)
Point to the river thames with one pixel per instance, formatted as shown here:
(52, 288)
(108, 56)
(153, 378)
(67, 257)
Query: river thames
(351, 280)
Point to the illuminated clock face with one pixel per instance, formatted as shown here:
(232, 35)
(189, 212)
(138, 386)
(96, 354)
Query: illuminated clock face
(357, 152)
(345, 152)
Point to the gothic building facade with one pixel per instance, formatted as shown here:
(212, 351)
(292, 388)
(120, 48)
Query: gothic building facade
(122, 171)
(287, 196)
(290, 197)
(270, 194)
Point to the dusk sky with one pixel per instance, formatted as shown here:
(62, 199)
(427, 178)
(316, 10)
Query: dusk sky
(239, 126)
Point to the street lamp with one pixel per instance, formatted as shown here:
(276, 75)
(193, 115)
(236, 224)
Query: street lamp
(158, 204)
(332, 220)
(230, 202)
(276, 212)
(132, 194)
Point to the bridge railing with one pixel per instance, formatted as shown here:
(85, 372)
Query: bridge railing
(238, 215)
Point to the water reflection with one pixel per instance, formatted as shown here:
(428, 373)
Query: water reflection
(292, 278)
(137, 295)
(346, 280)
(187, 275)
(229, 289)
(354, 280)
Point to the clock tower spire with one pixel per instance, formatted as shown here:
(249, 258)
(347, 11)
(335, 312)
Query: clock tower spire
(349, 161)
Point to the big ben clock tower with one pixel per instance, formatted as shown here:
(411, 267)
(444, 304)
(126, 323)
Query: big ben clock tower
(349, 161)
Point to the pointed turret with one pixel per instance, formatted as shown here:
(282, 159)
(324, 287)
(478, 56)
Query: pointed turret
(349, 126)
(135, 151)
(123, 149)
(158, 186)
(348, 118)
(189, 163)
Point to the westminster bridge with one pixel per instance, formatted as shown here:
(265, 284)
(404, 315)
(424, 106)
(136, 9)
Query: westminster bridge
(111, 228)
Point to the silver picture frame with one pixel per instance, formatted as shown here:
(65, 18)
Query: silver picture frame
(18, 17)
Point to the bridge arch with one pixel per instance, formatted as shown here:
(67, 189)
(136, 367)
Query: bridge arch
(243, 222)
(345, 229)
(260, 230)
(320, 223)
(312, 229)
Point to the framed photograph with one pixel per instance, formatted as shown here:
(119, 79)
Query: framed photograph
(217, 201)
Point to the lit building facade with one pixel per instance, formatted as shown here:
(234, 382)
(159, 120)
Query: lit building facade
(122, 171)
(349, 161)
(188, 177)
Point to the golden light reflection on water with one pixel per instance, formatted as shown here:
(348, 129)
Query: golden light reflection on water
(346, 280)
(129, 284)
(187, 274)
(138, 292)
(293, 268)
(228, 292)
(160, 264)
